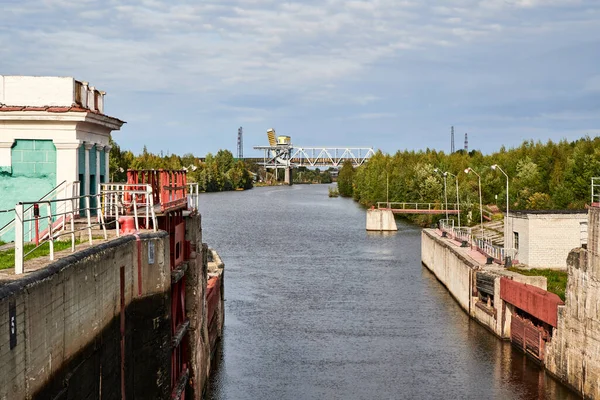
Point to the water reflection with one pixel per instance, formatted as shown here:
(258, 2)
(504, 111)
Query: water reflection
(318, 308)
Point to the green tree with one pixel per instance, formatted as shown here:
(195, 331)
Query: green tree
(344, 180)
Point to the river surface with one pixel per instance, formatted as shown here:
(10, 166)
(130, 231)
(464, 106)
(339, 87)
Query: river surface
(317, 308)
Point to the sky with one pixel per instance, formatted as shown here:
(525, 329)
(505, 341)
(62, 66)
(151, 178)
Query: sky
(387, 74)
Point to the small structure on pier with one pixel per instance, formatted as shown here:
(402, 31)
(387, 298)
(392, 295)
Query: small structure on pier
(544, 238)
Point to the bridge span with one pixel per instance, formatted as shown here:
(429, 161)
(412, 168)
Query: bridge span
(282, 154)
(419, 208)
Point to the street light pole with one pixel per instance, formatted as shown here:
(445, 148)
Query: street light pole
(497, 167)
(468, 170)
(445, 192)
(457, 200)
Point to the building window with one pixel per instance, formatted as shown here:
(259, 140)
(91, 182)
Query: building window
(516, 240)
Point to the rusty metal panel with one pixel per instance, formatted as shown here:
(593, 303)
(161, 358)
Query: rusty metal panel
(517, 332)
(485, 283)
(179, 244)
(540, 303)
(532, 341)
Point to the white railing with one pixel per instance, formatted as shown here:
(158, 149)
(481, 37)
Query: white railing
(120, 199)
(51, 219)
(463, 234)
(447, 225)
(64, 189)
(486, 247)
(596, 191)
(55, 222)
(397, 205)
(193, 196)
(491, 250)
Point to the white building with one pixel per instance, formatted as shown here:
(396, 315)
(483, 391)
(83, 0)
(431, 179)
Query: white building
(543, 239)
(52, 130)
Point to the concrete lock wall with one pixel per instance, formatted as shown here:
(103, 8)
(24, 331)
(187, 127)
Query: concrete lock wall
(574, 353)
(97, 323)
(451, 269)
(458, 273)
(87, 326)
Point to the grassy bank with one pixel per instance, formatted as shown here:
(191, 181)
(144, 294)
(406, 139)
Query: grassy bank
(557, 280)
(7, 257)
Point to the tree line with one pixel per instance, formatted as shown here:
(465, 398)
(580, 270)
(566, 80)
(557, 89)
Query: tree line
(542, 176)
(217, 173)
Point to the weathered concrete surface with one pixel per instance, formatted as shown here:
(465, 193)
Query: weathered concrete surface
(457, 267)
(574, 353)
(199, 271)
(381, 220)
(97, 323)
(70, 330)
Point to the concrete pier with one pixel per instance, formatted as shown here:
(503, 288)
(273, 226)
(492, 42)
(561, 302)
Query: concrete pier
(381, 220)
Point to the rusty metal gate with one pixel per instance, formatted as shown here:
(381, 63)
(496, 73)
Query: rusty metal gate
(527, 337)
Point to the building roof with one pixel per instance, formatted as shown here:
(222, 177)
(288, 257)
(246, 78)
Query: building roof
(547, 212)
(55, 109)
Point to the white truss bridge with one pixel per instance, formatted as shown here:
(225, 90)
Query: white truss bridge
(282, 156)
(329, 157)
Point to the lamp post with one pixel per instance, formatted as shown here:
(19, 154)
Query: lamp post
(497, 167)
(445, 192)
(468, 170)
(457, 200)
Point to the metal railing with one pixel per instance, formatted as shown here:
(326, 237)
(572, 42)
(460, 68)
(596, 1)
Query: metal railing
(55, 222)
(484, 246)
(120, 199)
(193, 196)
(595, 192)
(67, 190)
(490, 250)
(52, 219)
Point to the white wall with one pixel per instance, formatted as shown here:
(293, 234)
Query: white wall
(37, 91)
(552, 237)
(520, 224)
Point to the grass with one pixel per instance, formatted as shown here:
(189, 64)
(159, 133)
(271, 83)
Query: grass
(557, 280)
(7, 257)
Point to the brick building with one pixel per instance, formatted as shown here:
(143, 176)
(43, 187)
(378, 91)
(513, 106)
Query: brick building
(543, 239)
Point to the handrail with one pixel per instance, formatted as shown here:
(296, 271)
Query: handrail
(484, 246)
(10, 224)
(107, 203)
(50, 218)
(193, 196)
(403, 205)
(595, 193)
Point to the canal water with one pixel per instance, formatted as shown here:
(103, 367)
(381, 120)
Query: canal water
(318, 308)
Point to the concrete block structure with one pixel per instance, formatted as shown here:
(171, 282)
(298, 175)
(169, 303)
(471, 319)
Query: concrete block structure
(543, 239)
(574, 356)
(52, 130)
(381, 220)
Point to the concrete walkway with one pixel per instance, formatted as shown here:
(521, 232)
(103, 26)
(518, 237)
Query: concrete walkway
(480, 260)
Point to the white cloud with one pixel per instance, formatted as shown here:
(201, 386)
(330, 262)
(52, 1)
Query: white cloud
(319, 55)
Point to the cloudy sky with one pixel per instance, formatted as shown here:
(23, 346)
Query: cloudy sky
(388, 74)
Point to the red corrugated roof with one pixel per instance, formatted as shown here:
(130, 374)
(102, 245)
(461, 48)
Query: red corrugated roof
(538, 302)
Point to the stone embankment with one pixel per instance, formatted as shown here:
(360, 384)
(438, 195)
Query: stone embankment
(564, 337)
(98, 323)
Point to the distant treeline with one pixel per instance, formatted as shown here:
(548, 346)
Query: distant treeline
(305, 175)
(541, 176)
(217, 173)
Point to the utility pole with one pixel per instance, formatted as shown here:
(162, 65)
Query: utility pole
(240, 144)
(452, 139)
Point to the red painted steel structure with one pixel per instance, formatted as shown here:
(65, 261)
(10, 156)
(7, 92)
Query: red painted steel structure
(539, 303)
(213, 295)
(169, 188)
(169, 192)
